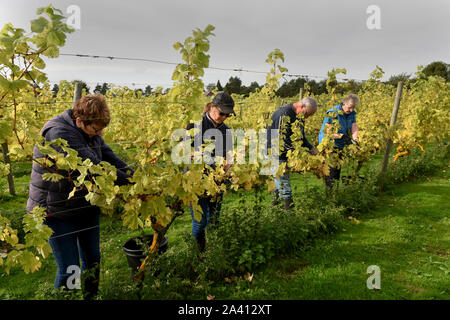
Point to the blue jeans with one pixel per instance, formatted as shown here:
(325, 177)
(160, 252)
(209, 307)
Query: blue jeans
(283, 184)
(69, 245)
(211, 212)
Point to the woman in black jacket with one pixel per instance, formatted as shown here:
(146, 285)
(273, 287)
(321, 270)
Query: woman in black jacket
(75, 222)
(214, 115)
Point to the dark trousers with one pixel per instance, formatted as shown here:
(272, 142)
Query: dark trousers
(71, 241)
(335, 173)
(211, 211)
(333, 178)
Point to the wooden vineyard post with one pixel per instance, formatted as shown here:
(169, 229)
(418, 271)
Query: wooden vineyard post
(389, 142)
(300, 97)
(240, 111)
(12, 189)
(77, 91)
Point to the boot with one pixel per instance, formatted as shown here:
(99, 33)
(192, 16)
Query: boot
(201, 244)
(89, 282)
(275, 198)
(288, 204)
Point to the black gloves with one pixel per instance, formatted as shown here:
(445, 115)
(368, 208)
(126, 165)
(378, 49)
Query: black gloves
(347, 140)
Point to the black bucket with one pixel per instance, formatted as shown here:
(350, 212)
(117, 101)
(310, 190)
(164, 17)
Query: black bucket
(134, 252)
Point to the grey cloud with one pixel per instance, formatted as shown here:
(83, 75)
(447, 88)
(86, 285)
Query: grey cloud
(315, 36)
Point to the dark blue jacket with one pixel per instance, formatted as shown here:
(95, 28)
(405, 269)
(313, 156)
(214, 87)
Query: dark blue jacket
(54, 195)
(283, 118)
(345, 121)
(207, 124)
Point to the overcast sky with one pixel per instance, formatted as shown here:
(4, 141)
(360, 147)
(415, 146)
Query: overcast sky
(315, 37)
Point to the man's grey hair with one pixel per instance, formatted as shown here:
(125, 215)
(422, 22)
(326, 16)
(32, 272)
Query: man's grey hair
(351, 99)
(310, 104)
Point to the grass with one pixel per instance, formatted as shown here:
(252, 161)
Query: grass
(407, 235)
(409, 241)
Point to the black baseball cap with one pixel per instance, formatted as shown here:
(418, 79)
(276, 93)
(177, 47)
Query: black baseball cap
(224, 101)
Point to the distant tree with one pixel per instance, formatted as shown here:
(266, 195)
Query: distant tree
(55, 90)
(350, 86)
(353, 86)
(101, 88)
(210, 87)
(333, 83)
(148, 91)
(438, 68)
(291, 88)
(86, 87)
(219, 86)
(233, 85)
(251, 88)
(138, 92)
(318, 87)
(36, 89)
(395, 79)
(98, 88)
(83, 85)
(105, 88)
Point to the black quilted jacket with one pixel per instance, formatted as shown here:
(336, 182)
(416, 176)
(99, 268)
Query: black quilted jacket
(54, 195)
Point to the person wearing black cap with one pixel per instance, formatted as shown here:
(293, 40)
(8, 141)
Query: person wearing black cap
(214, 115)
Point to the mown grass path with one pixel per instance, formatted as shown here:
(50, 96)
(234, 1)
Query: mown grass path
(407, 235)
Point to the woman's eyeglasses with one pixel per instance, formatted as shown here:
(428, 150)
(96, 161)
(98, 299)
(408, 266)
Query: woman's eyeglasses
(96, 130)
(224, 114)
